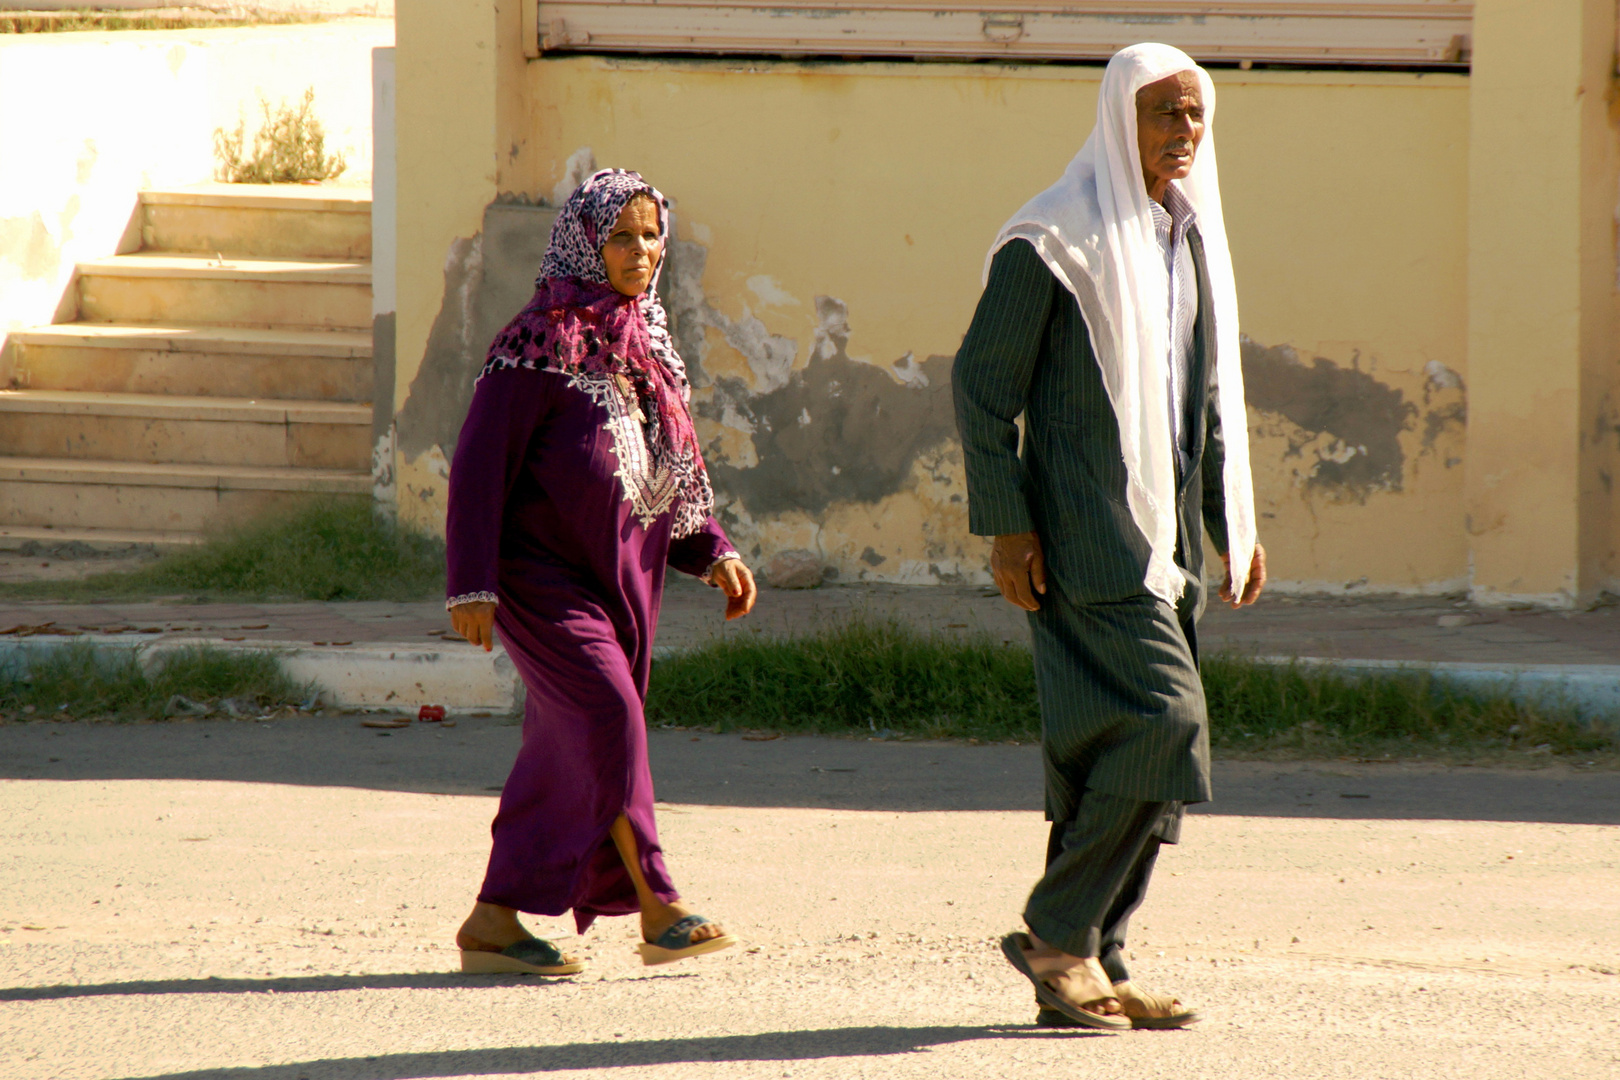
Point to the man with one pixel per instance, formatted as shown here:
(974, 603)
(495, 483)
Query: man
(1109, 321)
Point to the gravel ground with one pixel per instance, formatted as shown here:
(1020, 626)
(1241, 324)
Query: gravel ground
(277, 902)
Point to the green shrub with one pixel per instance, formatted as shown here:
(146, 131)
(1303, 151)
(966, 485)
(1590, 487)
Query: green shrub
(288, 148)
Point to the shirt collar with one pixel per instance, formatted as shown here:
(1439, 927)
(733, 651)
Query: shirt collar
(1175, 216)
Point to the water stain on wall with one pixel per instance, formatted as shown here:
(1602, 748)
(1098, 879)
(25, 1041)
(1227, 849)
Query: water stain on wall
(1364, 416)
(437, 402)
(487, 280)
(836, 430)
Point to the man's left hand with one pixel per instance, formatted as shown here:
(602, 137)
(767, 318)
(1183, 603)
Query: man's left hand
(1256, 582)
(737, 582)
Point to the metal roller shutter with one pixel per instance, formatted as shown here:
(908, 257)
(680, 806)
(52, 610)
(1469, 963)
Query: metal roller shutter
(1372, 32)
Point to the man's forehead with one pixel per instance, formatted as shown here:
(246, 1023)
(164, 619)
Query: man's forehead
(1183, 85)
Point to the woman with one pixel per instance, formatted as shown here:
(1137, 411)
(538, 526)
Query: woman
(577, 479)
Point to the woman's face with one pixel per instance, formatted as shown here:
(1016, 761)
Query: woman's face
(633, 247)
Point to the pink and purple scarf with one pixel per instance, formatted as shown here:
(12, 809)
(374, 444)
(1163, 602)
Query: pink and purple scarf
(577, 322)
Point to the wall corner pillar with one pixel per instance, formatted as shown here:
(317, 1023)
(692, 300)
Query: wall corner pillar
(1541, 301)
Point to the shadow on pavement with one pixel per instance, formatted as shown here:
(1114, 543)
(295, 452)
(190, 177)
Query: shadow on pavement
(508, 1060)
(472, 758)
(302, 984)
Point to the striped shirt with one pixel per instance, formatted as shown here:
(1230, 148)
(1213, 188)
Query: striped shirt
(1171, 222)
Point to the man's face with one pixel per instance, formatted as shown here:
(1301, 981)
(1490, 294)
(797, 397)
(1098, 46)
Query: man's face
(1169, 127)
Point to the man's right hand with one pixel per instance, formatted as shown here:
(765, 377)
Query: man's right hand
(475, 621)
(1019, 569)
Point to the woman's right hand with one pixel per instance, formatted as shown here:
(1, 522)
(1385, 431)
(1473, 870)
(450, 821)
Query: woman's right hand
(475, 621)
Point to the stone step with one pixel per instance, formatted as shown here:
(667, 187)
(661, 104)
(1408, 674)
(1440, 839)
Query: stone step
(198, 361)
(189, 430)
(269, 220)
(325, 294)
(20, 537)
(121, 495)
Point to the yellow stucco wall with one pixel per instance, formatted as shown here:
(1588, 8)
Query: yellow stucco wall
(838, 215)
(445, 103)
(1545, 404)
(882, 185)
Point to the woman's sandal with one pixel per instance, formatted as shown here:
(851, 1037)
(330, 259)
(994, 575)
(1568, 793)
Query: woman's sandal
(531, 956)
(676, 943)
(1013, 947)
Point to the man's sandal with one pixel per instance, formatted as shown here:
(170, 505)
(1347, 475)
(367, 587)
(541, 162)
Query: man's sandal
(676, 943)
(1157, 1012)
(1013, 947)
(1152, 1012)
(531, 956)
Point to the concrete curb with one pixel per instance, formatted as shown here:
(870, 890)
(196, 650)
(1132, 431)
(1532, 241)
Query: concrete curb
(373, 676)
(465, 679)
(1594, 689)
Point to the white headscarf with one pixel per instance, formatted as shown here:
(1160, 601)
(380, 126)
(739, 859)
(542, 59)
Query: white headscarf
(1094, 230)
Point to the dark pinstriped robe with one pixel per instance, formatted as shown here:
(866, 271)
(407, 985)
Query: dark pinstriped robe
(1122, 706)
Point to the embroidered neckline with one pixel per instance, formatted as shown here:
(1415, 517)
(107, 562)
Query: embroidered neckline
(650, 489)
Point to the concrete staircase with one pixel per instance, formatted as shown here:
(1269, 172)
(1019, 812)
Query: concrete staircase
(222, 370)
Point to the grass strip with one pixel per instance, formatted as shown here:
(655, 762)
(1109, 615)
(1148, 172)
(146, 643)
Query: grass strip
(883, 677)
(83, 681)
(324, 550)
(862, 676)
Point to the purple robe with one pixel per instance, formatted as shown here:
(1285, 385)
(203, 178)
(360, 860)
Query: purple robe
(557, 510)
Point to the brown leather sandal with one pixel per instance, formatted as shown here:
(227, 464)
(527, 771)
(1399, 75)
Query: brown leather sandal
(1158, 1012)
(1083, 1014)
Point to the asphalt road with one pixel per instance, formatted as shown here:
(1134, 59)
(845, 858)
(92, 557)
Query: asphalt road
(276, 902)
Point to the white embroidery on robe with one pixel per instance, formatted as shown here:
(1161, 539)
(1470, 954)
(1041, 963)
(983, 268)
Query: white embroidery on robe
(650, 490)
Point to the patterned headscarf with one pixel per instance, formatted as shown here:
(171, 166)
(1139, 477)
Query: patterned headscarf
(577, 322)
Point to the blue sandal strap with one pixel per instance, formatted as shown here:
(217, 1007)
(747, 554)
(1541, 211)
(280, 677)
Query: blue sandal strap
(679, 936)
(536, 951)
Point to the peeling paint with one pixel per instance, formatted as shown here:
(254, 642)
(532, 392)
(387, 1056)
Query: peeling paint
(383, 487)
(1445, 408)
(838, 430)
(437, 402)
(770, 291)
(680, 286)
(576, 170)
(423, 486)
(1364, 418)
(770, 356)
(487, 279)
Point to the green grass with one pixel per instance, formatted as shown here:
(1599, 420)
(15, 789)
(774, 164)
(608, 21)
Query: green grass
(861, 677)
(339, 550)
(883, 677)
(80, 680)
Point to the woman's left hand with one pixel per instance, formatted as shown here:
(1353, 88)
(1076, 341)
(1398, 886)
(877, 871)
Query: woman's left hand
(737, 581)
